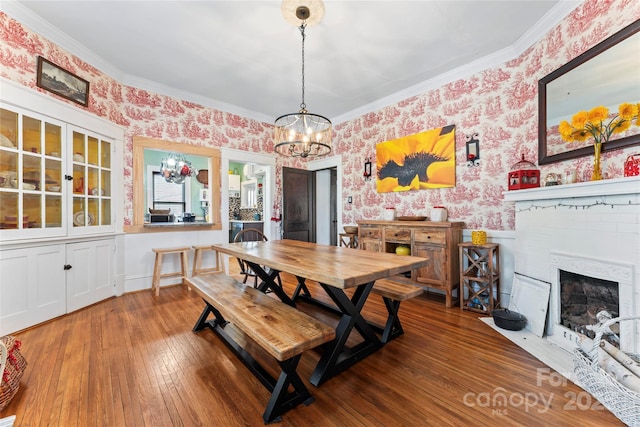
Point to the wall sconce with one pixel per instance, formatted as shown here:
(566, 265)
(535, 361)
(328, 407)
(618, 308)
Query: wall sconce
(473, 150)
(367, 169)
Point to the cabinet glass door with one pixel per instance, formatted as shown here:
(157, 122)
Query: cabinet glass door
(91, 205)
(31, 175)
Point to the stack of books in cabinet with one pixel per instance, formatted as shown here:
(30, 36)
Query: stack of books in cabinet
(479, 277)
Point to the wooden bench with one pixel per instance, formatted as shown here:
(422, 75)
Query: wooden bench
(281, 330)
(394, 291)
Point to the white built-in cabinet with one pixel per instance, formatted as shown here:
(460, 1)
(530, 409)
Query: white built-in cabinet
(32, 286)
(89, 267)
(59, 166)
(234, 185)
(42, 282)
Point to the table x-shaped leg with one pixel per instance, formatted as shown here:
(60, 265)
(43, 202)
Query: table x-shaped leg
(301, 289)
(337, 357)
(269, 282)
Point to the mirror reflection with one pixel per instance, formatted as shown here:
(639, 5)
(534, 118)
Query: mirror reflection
(605, 75)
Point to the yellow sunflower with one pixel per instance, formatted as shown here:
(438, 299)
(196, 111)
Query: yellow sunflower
(423, 160)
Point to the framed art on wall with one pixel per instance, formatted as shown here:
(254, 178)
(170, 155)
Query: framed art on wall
(420, 161)
(61, 82)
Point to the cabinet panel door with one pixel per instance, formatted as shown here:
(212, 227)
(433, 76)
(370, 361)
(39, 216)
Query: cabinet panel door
(32, 185)
(373, 245)
(435, 273)
(32, 286)
(234, 184)
(91, 205)
(90, 278)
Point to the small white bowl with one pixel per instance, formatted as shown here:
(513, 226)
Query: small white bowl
(54, 188)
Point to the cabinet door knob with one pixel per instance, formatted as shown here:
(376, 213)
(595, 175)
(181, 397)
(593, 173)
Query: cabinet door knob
(67, 267)
(68, 177)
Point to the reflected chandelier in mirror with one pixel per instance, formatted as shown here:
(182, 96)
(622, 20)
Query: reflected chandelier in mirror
(605, 75)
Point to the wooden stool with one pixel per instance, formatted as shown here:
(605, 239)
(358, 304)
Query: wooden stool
(350, 240)
(157, 268)
(197, 261)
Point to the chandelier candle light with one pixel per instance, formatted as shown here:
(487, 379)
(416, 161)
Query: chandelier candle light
(586, 124)
(303, 134)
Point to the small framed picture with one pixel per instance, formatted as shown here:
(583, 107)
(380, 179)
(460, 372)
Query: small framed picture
(61, 82)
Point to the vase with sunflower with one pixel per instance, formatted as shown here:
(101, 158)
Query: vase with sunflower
(596, 123)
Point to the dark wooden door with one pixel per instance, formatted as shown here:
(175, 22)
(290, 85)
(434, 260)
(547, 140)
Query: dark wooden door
(298, 195)
(334, 209)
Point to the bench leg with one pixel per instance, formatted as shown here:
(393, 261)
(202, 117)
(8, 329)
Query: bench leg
(184, 268)
(281, 400)
(204, 323)
(393, 327)
(157, 272)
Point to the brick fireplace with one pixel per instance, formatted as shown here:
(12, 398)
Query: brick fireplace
(587, 236)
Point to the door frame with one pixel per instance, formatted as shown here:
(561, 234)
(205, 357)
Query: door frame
(268, 195)
(328, 163)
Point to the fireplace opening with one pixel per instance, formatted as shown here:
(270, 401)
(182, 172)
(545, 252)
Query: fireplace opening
(585, 302)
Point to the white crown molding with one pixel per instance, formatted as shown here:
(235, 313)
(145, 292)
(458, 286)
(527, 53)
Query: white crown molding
(528, 39)
(151, 86)
(39, 25)
(43, 27)
(46, 29)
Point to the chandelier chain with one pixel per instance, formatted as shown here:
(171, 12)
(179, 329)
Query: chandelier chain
(302, 27)
(303, 134)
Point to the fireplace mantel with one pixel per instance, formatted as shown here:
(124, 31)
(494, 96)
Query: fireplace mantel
(599, 240)
(605, 187)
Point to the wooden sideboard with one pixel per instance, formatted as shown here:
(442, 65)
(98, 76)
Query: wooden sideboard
(437, 241)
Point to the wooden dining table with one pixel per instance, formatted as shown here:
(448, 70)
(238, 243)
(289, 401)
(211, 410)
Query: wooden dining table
(335, 269)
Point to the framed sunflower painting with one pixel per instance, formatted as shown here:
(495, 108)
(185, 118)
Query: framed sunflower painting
(421, 161)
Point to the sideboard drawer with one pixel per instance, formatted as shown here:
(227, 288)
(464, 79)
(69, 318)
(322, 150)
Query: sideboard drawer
(431, 236)
(370, 232)
(397, 234)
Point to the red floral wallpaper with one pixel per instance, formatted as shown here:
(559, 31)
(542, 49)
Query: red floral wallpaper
(499, 104)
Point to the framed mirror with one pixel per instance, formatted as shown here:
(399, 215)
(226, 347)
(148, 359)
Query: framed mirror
(607, 74)
(206, 158)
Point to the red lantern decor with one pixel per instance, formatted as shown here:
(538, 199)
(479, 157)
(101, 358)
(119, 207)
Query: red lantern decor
(632, 165)
(524, 174)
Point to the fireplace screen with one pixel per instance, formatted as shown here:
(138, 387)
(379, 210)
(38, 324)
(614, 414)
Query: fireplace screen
(585, 302)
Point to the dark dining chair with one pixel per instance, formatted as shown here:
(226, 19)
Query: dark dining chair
(251, 235)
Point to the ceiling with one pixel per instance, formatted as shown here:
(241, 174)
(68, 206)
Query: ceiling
(244, 58)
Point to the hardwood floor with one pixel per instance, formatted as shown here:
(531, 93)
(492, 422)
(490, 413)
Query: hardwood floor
(133, 361)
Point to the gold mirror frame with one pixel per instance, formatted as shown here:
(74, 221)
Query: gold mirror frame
(543, 156)
(141, 143)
